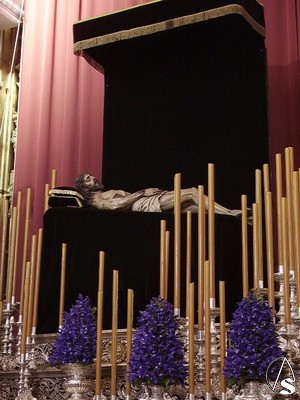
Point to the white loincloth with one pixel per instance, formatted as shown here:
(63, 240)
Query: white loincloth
(150, 203)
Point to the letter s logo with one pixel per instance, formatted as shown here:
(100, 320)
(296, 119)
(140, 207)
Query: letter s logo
(287, 384)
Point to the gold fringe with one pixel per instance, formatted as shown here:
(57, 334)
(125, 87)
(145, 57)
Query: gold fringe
(80, 46)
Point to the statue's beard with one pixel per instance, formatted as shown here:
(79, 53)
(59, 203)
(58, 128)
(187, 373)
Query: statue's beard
(97, 186)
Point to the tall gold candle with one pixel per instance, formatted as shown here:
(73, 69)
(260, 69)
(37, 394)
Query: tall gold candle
(19, 205)
(211, 229)
(46, 196)
(255, 247)
(222, 333)
(3, 245)
(270, 249)
(201, 256)
(177, 243)
(297, 232)
(25, 246)
(1, 310)
(258, 201)
(188, 256)
(278, 205)
(207, 329)
(53, 178)
(101, 271)
(11, 264)
(25, 309)
(37, 280)
(62, 283)
(99, 324)
(245, 265)
(167, 255)
(287, 310)
(129, 337)
(113, 387)
(32, 283)
(289, 199)
(99, 345)
(266, 176)
(191, 325)
(162, 266)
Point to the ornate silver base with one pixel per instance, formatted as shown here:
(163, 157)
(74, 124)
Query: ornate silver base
(78, 383)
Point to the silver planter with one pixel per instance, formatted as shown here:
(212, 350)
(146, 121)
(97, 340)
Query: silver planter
(77, 382)
(254, 390)
(157, 392)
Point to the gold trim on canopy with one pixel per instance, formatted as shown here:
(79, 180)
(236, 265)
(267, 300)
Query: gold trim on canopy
(80, 46)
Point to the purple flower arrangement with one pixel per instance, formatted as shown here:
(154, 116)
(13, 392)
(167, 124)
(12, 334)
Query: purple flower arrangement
(76, 339)
(253, 341)
(157, 355)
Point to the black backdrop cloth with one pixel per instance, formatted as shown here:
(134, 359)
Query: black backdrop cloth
(181, 95)
(131, 242)
(175, 100)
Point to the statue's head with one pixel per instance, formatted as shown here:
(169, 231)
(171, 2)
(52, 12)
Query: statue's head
(86, 183)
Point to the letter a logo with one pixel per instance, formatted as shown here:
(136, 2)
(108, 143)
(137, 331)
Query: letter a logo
(280, 377)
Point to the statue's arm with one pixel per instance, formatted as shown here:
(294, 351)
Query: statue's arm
(117, 199)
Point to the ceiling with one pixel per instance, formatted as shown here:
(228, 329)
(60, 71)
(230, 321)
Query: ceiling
(10, 13)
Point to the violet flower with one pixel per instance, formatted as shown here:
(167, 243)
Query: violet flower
(76, 340)
(253, 341)
(157, 355)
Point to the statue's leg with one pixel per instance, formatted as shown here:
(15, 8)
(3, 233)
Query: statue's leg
(191, 195)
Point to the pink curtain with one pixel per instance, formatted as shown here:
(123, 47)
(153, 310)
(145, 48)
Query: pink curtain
(282, 20)
(60, 106)
(61, 99)
(61, 96)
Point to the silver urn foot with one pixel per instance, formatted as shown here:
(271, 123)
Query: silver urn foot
(77, 382)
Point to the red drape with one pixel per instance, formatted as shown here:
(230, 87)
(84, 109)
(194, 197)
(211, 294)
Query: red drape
(60, 105)
(282, 20)
(61, 99)
(61, 96)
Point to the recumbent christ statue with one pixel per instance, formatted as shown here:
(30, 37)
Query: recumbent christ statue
(151, 199)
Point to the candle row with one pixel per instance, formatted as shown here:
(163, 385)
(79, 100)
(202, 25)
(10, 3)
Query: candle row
(206, 277)
(114, 330)
(164, 246)
(282, 225)
(9, 246)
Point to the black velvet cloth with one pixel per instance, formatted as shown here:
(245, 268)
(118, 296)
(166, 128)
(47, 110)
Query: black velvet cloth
(181, 98)
(131, 242)
(155, 12)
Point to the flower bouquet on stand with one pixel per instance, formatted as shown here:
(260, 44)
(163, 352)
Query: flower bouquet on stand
(157, 356)
(74, 349)
(254, 346)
